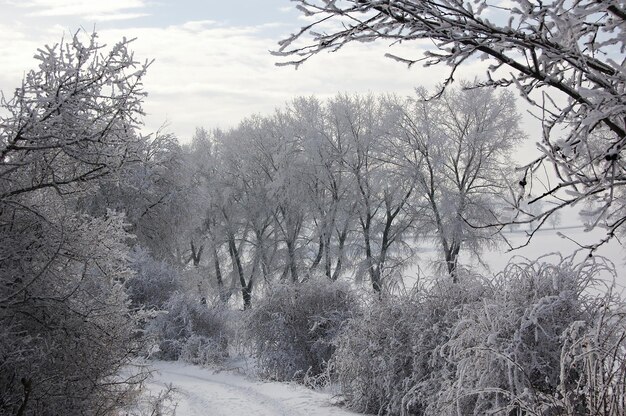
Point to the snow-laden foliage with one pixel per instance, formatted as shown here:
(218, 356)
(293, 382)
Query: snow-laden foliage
(345, 184)
(66, 330)
(156, 195)
(153, 282)
(533, 340)
(387, 359)
(148, 403)
(292, 330)
(191, 330)
(540, 344)
(65, 326)
(457, 149)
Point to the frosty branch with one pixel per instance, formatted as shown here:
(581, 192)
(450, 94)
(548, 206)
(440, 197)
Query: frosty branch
(564, 57)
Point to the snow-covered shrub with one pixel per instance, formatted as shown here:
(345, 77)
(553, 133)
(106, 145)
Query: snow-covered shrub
(387, 359)
(154, 280)
(146, 403)
(532, 340)
(69, 332)
(374, 355)
(528, 347)
(191, 330)
(593, 363)
(203, 350)
(292, 330)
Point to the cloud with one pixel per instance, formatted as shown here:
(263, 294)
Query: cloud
(92, 10)
(210, 74)
(115, 16)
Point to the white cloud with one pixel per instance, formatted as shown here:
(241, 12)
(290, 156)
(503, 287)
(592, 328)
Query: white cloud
(93, 10)
(213, 75)
(115, 16)
(208, 74)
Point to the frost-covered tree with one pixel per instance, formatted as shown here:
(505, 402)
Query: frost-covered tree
(205, 239)
(155, 193)
(565, 57)
(65, 329)
(381, 196)
(330, 187)
(456, 149)
(244, 199)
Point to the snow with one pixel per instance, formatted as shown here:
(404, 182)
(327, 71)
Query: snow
(201, 391)
(562, 241)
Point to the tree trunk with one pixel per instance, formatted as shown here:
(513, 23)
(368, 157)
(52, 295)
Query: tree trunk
(196, 254)
(27, 383)
(218, 276)
(339, 264)
(371, 267)
(318, 257)
(452, 260)
(343, 235)
(234, 253)
(293, 267)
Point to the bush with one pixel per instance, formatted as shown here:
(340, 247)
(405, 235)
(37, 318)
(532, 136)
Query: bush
(154, 281)
(387, 359)
(536, 344)
(292, 330)
(69, 332)
(203, 350)
(374, 355)
(533, 340)
(192, 331)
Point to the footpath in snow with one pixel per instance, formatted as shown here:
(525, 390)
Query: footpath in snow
(202, 392)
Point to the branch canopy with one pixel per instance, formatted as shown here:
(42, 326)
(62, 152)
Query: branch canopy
(565, 57)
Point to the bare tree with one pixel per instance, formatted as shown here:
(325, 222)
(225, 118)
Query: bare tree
(330, 188)
(456, 149)
(565, 57)
(381, 197)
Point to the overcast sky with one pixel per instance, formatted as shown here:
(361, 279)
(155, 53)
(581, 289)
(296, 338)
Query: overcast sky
(212, 62)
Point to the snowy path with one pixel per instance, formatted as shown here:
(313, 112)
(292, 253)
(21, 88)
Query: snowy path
(202, 392)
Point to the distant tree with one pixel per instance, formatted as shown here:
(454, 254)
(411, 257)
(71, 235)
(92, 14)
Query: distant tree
(565, 57)
(65, 329)
(330, 187)
(244, 210)
(456, 148)
(555, 219)
(206, 198)
(381, 197)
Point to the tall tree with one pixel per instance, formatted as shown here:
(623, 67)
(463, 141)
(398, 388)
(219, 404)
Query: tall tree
(329, 187)
(457, 149)
(381, 203)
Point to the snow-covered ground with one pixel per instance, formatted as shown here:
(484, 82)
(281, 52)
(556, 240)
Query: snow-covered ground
(201, 392)
(563, 241)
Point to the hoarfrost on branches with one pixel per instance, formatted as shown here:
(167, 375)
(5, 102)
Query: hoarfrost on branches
(566, 58)
(64, 317)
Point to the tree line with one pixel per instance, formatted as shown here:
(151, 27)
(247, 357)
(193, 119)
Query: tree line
(338, 187)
